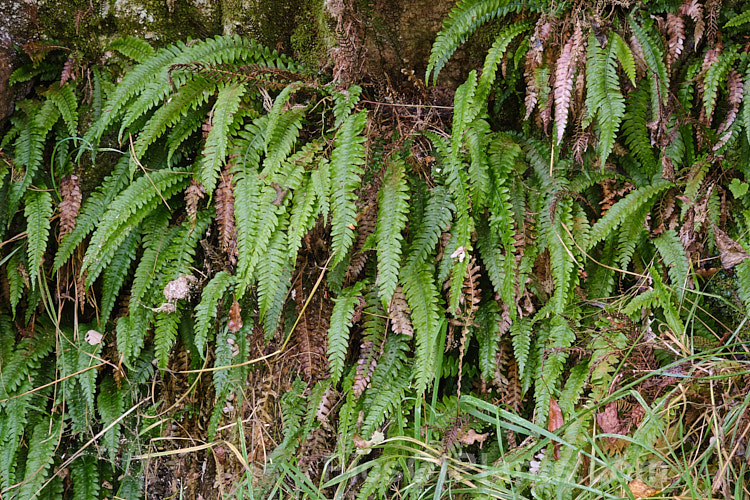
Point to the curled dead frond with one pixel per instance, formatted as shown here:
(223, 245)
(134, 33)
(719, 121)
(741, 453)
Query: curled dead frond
(225, 216)
(564, 75)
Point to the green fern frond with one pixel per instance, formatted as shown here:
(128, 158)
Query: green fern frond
(743, 280)
(127, 210)
(156, 238)
(423, 299)
(215, 150)
(654, 59)
(206, 311)
(573, 389)
(635, 129)
(189, 97)
(185, 128)
(165, 334)
(426, 232)
(110, 405)
(630, 235)
(488, 333)
(738, 20)
(392, 209)
(716, 74)
(135, 48)
(560, 248)
(671, 250)
(85, 478)
(624, 55)
(42, 443)
(499, 264)
(463, 20)
(347, 159)
(66, 102)
(38, 210)
(389, 381)
(623, 209)
(521, 333)
(274, 278)
(116, 273)
(603, 99)
(301, 218)
(344, 102)
(280, 139)
(549, 371)
(493, 59)
(478, 172)
(338, 332)
(15, 280)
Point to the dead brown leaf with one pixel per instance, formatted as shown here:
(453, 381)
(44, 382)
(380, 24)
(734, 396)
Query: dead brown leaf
(730, 251)
(639, 489)
(609, 421)
(471, 436)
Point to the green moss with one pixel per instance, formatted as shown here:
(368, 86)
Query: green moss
(87, 31)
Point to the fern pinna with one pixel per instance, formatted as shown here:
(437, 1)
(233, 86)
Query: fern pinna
(252, 213)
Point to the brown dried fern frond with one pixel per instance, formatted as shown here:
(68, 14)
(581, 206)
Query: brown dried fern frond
(193, 194)
(675, 38)
(225, 216)
(311, 333)
(366, 365)
(564, 74)
(694, 10)
(400, 314)
(70, 192)
(735, 91)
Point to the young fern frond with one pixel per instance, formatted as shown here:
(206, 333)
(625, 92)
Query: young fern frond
(347, 159)
(37, 211)
(392, 209)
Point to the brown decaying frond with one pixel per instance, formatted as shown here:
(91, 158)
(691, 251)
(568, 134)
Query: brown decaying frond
(365, 227)
(533, 61)
(70, 193)
(366, 365)
(400, 314)
(694, 10)
(327, 402)
(735, 92)
(638, 56)
(675, 38)
(225, 216)
(472, 295)
(712, 19)
(311, 334)
(193, 194)
(235, 317)
(564, 73)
